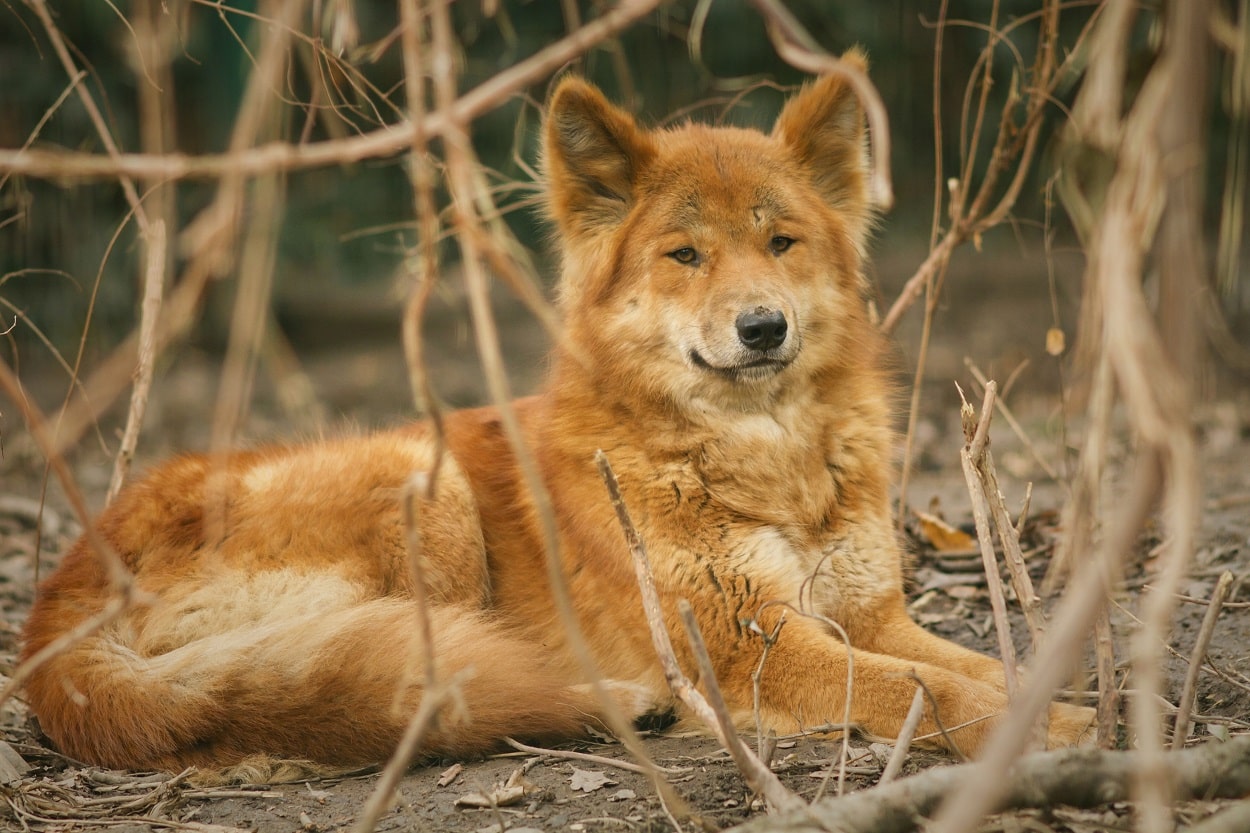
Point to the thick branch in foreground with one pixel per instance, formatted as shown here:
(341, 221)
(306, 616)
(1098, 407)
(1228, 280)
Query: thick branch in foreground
(1072, 777)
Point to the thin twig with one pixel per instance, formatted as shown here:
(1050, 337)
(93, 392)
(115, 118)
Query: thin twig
(276, 157)
(795, 46)
(903, 743)
(421, 723)
(466, 197)
(602, 760)
(1180, 732)
(1011, 420)
(426, 270)
(977, 432)
(758, 776)
(113, 608)
(1108, 718)
(1071, 624)
(153, 293)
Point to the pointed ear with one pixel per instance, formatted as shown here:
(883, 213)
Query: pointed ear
(592, 153)
(823, 124)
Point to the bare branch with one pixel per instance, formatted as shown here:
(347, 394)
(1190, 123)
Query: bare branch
(1074, 777)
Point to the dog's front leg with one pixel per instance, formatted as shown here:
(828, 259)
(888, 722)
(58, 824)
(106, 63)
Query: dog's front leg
(889, 630)
(803, 686)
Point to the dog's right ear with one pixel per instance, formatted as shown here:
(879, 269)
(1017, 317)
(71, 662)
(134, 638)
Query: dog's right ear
(592, 153)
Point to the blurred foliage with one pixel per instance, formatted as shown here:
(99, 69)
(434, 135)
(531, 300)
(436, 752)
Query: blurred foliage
(349, 226)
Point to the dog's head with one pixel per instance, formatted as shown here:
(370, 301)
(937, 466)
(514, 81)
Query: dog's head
(708, 265)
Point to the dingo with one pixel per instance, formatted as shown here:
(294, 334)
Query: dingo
(725, 364)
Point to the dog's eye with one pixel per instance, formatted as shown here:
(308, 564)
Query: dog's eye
(780, 243)
(684, 255)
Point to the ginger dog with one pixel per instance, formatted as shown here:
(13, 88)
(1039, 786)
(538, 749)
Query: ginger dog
(721, 357)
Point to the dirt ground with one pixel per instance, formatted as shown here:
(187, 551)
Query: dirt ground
(363, 384)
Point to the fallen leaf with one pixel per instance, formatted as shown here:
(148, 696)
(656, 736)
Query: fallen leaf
(623, 795)
(942, 536)
(588, 780)
(12, 767)
(1055, 341)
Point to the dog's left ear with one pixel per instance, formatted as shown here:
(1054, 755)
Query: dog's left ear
(823, 124)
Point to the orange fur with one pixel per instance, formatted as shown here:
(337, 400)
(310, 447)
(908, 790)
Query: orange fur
(723, 361)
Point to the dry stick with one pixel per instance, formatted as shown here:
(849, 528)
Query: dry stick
(977, 434)
(243, 161)
(1183, 710)
(154, 251)
(433, 696)
(427, 216)
(968, 149)
(1156, 401)
(385, 141)
(1108, 710)
(1015, 145)
(211, 237)
(756, 772)
(247, 325)
(932, 291)
(156, 116)
(1011, 420)
(1009, 537)
(715, 717)
(419, 487)
(127, 594)
(153, 292)
(1013, 556)
(1154, 373)
(1234, 819)
(844, 752)
(432, 702)
(1084, 505)
(52, 109)
(459, 163)
(113, 608)
(938, 39)
(903, 743)
(93, 112)
(118, 574)
(1076, 777)
(796, 47)
(757, 681)
(1076, 614)
(602, 760)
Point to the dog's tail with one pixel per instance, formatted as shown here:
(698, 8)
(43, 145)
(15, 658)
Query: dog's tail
(332, 686)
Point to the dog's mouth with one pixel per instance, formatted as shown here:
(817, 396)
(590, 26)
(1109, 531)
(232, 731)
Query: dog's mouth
(754, 370)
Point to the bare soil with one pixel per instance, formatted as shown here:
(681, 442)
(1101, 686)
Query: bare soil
(363, 384)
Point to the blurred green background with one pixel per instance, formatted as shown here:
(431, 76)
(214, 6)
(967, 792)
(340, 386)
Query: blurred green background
(346, 229)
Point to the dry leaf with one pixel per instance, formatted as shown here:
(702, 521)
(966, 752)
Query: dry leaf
(623, 795)
(12, 767)
(588, 780)
(942, 536)
(1055, 341)
(450, 774)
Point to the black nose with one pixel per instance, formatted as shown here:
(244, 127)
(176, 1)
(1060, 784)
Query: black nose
(762, 328)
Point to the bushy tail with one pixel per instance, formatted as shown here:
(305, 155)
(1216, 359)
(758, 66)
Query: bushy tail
(333, 687)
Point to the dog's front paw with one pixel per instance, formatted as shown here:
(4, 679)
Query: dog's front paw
(1070, 726)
